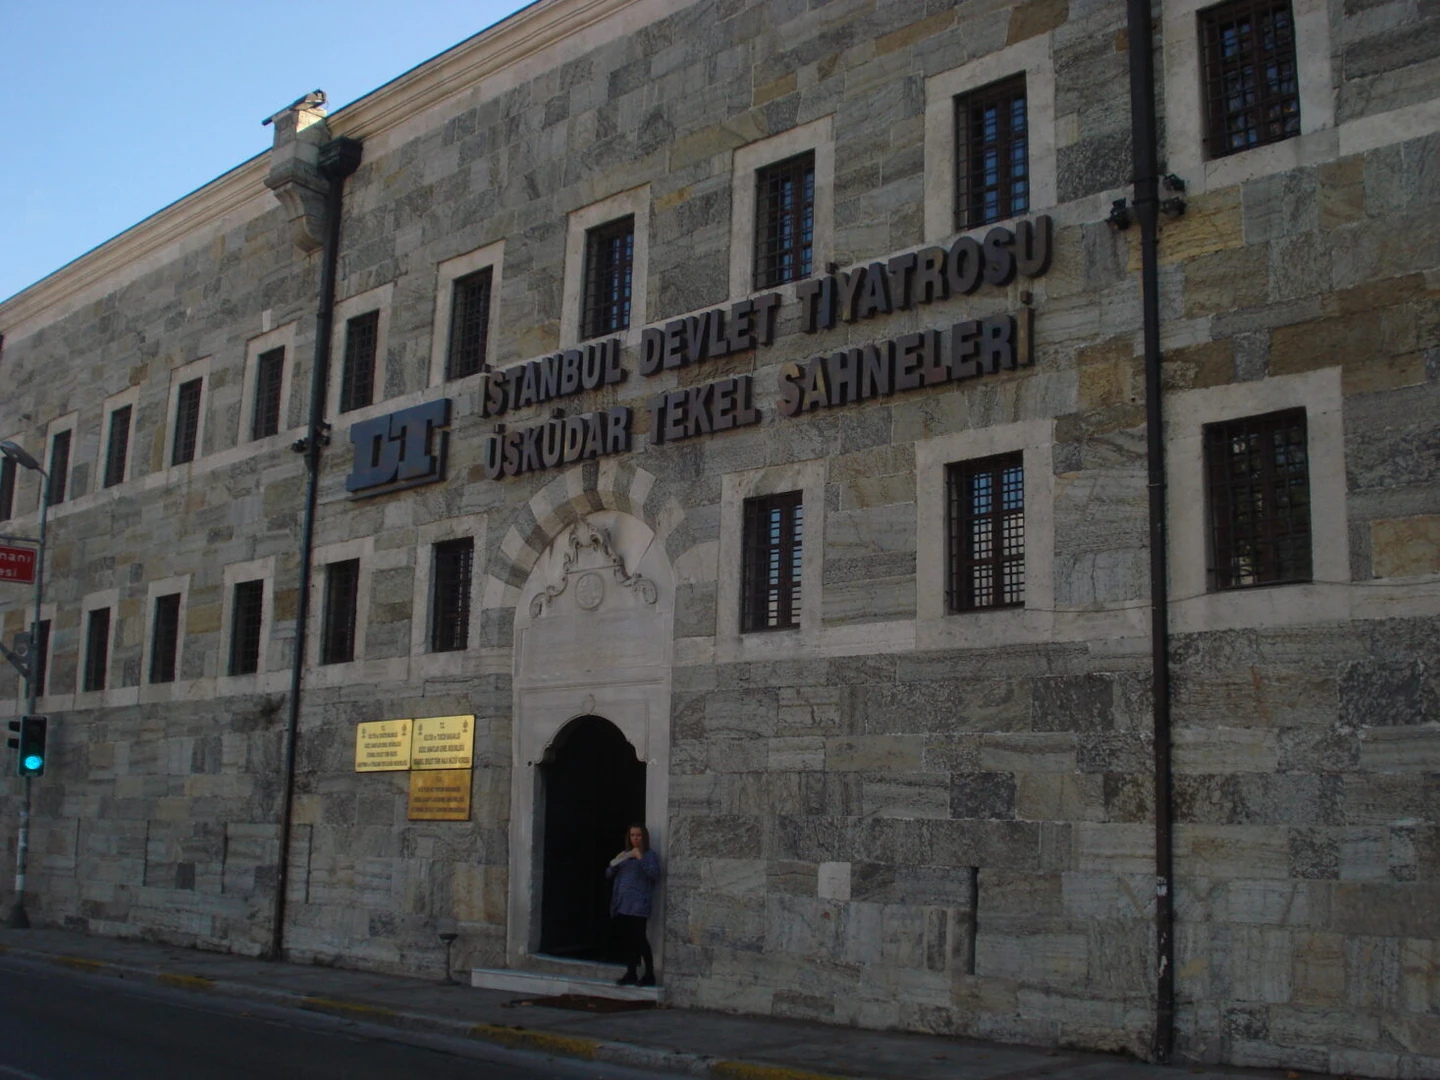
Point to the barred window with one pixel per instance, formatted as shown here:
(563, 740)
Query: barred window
(469, 325)
(1259, 485)
(269, 374)
(7, 489)
(450, 597)
(985, 533)
(337, 630)
(771, 568)
(609, 265)
(784, 221)
(357, 376)
(992, 154)
(59, 466)
(1252, 95)
(187, 421)
(165, 638)
(117, 450)
(245, 622)
(97, 650)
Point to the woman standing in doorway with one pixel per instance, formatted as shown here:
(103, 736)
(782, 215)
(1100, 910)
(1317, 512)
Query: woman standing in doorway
(635, 872)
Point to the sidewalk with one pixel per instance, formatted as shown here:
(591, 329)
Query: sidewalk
(694, 1042)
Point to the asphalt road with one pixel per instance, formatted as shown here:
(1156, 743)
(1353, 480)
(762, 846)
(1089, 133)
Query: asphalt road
(62, 1026)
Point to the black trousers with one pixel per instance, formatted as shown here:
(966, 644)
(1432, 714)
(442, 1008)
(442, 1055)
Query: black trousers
(634, 944)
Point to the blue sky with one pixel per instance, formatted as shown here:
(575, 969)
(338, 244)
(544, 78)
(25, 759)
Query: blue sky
(110, 111)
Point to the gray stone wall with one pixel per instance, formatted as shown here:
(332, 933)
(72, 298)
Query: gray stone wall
(944, 839)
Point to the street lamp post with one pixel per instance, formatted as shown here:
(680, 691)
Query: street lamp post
(17, 919)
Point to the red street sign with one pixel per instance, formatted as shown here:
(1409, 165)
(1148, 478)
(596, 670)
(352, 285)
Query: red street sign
(17, 564)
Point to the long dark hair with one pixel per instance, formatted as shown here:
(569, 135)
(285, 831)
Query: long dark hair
(644, 834)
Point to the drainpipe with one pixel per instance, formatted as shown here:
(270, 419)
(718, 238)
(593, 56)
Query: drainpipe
(309, 179)
(1147, 211)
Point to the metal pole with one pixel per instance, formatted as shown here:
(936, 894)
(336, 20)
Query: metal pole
(18, 919)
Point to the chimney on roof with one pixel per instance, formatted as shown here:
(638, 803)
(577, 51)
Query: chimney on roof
(295, 174)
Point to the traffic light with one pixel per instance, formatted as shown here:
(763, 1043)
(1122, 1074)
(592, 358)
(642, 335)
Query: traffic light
(30, 761)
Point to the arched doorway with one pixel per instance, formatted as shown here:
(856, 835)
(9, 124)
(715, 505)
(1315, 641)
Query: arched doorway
(593, 787)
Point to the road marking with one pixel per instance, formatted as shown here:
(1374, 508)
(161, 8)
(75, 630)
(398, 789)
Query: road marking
(21, 1073)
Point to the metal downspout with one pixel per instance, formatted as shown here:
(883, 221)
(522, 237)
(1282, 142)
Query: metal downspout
(338, 159)
(1144, 144)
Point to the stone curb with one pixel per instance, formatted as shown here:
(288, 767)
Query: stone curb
(512, 1038)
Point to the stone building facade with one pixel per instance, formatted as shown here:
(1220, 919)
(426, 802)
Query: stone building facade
(891, 811)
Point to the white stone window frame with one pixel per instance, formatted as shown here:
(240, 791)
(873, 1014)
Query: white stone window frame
(578, 224)
(1185, 119)
(376, 299)
(196, 369)
(1034, 59)
(935, 625)
(69, 422)
(282, 337)
(262, 679)
(446, 274)
(175, 689)
(114, 403)
(808, 478)
(111, 695)
(359, 669)
(42, 699)
(424, 663)
(817, 137)
(1194, 605)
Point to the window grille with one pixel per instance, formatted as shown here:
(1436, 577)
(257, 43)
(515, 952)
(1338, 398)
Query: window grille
(1259, 483)
(342, 588)
(986, 533)
(784, 221)
(450, 600)
(245, 616)
(609, 265)
(992, 154)
(357, 376)
(97, 649)
(41, 653)
(59, 467)
(117, 450)
(1251, 93)
(7, 489)
(771, 568)
(269, 374)
(469, 325)
(165, 638)
(187, 422)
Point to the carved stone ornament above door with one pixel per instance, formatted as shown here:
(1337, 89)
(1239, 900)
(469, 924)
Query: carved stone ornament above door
(589, 554)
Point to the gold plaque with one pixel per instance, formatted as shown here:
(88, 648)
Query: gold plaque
(440, 796)
(443, 742)
(383, 746)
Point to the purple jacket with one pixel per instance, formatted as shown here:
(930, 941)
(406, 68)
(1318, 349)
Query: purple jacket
(634, 883)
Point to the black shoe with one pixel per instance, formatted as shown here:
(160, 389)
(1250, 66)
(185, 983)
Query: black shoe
(628, 979)
(648, 979)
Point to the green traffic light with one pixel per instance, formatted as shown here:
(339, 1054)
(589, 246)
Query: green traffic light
(33, 763)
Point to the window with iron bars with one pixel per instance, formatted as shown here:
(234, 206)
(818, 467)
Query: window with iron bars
(117, 450)
(985, 533)
(469, 325)
(269, 375)
(1258, 478)
(59, 466)
(165, 638)
(784, 221)
(187, 421)
(609, 267)
(337, 629)
(992, 154)
(357, 374)
(7, 489)
(771, 566)
(246, 612)
(1252, 95)
(450, 596)
(97, 650)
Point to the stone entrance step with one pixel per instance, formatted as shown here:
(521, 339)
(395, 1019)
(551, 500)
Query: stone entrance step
(554, 983)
